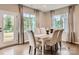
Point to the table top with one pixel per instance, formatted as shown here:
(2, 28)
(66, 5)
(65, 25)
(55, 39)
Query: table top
(42, 36)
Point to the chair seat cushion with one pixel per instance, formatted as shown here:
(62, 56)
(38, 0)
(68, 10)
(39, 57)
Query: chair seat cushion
(50, 43)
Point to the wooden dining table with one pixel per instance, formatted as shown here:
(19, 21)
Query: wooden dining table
(42, 38)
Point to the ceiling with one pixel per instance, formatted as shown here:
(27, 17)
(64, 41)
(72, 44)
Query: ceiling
(46, 7)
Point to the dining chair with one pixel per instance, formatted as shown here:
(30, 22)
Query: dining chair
(32, 42)
(43, 30)
(37, 31)
(51, 30)
(60, 37)
(52, 41)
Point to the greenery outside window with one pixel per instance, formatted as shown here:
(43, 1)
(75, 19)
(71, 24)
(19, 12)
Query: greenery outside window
(60, 21)
(29, 22)
(8, 27)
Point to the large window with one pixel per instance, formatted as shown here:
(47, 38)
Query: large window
(8, 27)
(60, 21)
(29, 22)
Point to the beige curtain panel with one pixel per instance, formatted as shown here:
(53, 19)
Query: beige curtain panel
(37, 17)
(52, 13)
(21, 34)
(71, 33)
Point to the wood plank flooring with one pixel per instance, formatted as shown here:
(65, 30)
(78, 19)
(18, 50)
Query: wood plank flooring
(67, 49)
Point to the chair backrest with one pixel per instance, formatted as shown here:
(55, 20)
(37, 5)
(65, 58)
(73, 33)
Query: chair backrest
(60, 34)
(37, 31)
(31, 38)
(51, 30)
(43, 30)
(54, 37)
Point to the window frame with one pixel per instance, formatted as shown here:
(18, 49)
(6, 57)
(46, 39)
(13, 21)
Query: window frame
(65, 21)
(30, 16)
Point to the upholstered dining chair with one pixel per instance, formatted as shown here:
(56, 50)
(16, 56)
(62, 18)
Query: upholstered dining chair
(32, 42)
(43, 30)
(37, 31)
(51, 30)
(60, 37)
(52, 41)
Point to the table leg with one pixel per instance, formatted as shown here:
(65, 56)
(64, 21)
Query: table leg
(43, 47)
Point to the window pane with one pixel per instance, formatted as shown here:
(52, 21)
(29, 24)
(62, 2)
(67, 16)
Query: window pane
(8, 26)
(29, 22)
(60, 21)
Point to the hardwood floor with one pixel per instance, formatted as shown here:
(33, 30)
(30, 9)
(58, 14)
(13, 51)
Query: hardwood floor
(67, 49)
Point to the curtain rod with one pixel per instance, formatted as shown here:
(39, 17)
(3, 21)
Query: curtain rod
(29, 7)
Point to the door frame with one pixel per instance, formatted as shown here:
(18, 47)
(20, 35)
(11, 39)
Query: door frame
(15, 40)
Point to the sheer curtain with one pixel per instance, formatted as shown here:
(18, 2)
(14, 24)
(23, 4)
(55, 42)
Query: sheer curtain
(37, 30)
(71, 33)
(52, 13)
(21, 24)
(37, 17)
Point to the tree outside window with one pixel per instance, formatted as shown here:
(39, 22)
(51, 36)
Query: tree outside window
(8, 24)
(58, 22)
(8, 27)
(29, 22)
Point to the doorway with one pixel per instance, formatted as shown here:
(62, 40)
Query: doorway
(8, 29)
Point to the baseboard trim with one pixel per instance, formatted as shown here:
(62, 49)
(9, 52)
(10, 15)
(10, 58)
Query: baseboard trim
(76, 43)
(13, 45)
(8, 46)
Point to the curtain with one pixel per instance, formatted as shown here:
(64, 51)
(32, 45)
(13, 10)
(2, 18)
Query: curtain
(71, 33)
(21, 24)
(52, 13)
(37, 18)
(37, 30)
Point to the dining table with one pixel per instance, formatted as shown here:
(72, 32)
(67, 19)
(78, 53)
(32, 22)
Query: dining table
(43, 38)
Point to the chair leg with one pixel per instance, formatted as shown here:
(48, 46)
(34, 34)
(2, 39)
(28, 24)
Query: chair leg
(41, 48)
(29, 49)
(35, 51)
(60, 44)
(56, 46)
(51, 50)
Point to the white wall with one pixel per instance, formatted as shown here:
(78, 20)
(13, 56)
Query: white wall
(9, 7)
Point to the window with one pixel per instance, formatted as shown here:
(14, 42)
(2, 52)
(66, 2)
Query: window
(8, 26)
(60, 21)
(29, 22)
